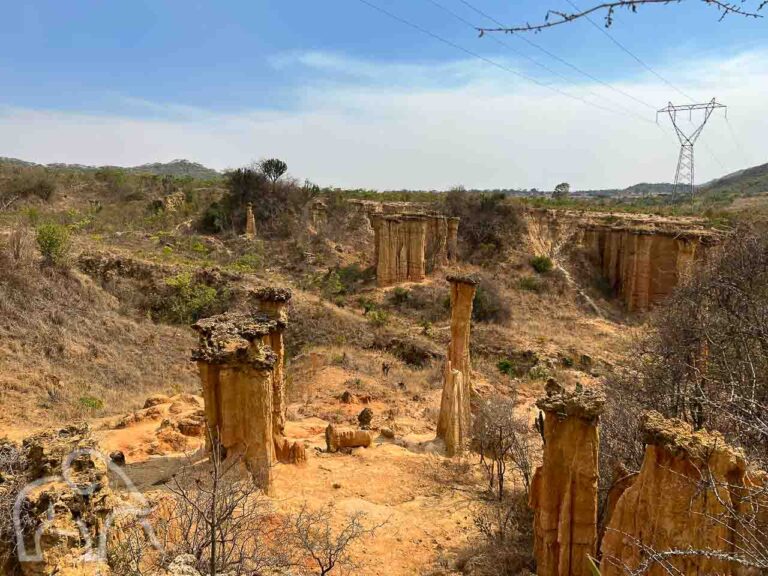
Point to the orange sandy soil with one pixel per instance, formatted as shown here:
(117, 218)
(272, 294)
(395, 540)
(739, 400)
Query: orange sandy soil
(424, 501)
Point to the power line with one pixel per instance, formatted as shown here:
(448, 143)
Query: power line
(543, 66)
(737, 142)
(632, 54)
(559, 59)
(481, 57)
(642, 63)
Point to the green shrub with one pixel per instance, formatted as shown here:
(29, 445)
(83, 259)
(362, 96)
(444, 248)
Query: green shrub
(54, 242)
(366, 304)
(187, 300)
(378, 318)
(542, 264)
(331, 286)
(251, 262)
(91, 402)
(539, 372)
(400, 296)
(215, 219)
(352, 276)
(530, 284)
(506, 366)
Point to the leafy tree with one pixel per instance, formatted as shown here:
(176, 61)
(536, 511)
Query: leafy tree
(562, 191)
(273, 169)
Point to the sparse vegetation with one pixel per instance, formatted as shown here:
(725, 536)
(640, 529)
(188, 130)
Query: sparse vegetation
(53, 241)
(187, 299)
(542, 264)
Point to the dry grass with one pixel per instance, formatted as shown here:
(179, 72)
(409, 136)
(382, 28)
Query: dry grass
(66, 352)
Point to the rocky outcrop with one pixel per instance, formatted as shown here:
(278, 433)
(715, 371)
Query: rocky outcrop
(564, 488)
(250, 222)
(454, 422)
(65, 504)
(408, 246)
(273, 303)
(643, 266)
(338, 438)
(237, 373)
(678, 501)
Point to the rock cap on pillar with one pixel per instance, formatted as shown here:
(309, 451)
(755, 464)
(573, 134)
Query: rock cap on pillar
(585, 404)
(271, 301)
(470, 279)
(233, 337)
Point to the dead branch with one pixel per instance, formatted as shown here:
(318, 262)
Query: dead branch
(557, 17)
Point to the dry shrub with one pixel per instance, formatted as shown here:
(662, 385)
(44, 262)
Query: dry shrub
(705, 359)
(21, 245)
(505, 543)
(490, 223)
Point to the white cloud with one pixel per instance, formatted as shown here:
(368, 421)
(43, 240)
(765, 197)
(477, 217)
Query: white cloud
(360, 123)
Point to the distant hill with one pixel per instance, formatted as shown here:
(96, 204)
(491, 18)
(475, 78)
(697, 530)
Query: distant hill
(747, 182)
(179, 168)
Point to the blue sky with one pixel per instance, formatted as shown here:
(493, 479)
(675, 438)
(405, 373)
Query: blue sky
(351, 97)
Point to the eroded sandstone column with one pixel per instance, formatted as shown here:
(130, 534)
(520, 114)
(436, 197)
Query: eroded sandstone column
(273, 303)
(250, 222)
(564, 488)
(237, 372)
(454, 422)
(669, 507)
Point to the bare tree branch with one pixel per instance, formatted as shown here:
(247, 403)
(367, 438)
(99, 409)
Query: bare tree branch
(557, 17)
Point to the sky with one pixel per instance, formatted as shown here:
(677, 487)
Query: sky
(383, 94)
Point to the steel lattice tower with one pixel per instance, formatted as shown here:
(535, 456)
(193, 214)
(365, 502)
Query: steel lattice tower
(684, 176)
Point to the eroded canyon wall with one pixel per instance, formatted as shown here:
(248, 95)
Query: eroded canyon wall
(408, 246)
(687, 496)
(455, 419)
(564, 488)
(643, 267)
(642, 257)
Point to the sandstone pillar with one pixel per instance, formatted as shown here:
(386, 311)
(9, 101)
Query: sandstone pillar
(669, 506)
(454, 422)
(237, 372)
(273, 303)
(250, 222)
(454, 428)
(564, 488)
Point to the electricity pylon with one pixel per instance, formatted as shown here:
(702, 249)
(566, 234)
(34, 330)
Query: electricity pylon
(684, 176)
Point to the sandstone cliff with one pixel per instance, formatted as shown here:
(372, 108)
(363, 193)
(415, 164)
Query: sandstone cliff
(408, 246)
(564, 488)
(455, 420)
(643, 267)
(678, 501)
(642, 257)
